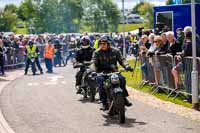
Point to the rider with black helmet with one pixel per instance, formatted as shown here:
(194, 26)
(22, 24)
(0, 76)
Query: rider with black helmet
(84, 54)
(105, 60)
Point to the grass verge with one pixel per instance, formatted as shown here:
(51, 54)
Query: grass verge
(130, 27)
(134, 79)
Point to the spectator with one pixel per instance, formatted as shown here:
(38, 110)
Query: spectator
(180, 36)
(165, 44)
(187, 52)
(1, 57)
(144, 44)
(156, 64)
(173, 45)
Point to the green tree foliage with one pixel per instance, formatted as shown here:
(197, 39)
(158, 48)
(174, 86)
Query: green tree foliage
(56, 16)
(169, 2)
(145, 9)
(27, 10)
(11, 8)
(8, 20)
(101, 15)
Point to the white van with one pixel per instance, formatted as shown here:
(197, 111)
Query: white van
(134, 18)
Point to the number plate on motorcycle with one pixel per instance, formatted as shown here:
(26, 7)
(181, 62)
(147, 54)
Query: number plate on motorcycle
(117, 90)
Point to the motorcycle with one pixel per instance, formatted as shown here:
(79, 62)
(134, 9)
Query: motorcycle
(115, 98)
(88, 82)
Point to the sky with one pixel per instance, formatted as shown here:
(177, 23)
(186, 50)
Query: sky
(129, 4)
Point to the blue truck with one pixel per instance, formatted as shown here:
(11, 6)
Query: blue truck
(172, 17)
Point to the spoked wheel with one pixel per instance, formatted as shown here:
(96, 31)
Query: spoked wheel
(120, 106)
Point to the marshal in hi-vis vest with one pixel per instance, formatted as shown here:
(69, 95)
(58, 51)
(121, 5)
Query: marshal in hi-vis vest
(31, 51)
(49, 51)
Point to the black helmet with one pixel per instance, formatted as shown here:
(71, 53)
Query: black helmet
(105, 39)
(57, 41)
(30, 42)
(85, 42)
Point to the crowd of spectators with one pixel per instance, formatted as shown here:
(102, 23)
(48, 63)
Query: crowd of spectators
(179, 47)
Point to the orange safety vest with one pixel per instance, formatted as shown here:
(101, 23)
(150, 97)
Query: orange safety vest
(49, 51)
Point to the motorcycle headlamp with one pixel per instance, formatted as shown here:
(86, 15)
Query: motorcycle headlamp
(115, 79)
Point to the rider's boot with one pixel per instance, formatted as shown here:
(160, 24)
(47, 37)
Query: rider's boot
(104, 107)
(85, 92)
(78, 90)
(127, 103)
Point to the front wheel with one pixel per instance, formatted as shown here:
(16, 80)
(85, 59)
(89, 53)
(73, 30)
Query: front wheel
(120, 106)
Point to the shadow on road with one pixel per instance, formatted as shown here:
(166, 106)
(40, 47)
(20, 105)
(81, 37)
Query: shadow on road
(130, 122)
(87, 100)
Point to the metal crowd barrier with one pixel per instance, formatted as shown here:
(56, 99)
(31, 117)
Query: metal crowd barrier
(166, 81)
(14, 57)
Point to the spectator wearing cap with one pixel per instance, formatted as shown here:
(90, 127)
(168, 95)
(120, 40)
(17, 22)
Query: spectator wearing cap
(180, 36)
(2, 57)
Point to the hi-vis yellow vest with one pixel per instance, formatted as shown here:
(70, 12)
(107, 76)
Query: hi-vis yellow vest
(96, 44)
(31, 51)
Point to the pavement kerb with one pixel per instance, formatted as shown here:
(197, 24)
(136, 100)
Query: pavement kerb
(4, 126)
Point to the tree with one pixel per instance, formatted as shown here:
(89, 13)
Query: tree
(145, 9)
(8, 21)
(27, 10)
(101, 16)
(11, 8)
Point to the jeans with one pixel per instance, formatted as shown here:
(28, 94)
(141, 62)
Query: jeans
(2, 65)
(144, 69)
(57, 59)
(28, 62)
(71, 55)
(49, 65)
(38, 64)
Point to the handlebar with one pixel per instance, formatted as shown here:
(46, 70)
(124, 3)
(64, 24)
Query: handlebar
(84, 64)
(109, 74)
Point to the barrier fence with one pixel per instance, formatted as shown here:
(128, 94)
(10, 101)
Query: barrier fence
(157, 70)
(15, 58)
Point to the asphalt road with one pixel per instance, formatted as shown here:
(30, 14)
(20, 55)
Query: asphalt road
(48, 104)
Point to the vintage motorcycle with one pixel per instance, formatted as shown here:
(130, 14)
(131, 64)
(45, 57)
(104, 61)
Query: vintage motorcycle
(88, 82)
(115, 98)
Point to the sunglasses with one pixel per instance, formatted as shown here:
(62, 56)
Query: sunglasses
(156, 41)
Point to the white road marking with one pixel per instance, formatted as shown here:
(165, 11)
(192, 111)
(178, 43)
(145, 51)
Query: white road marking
(55, 78)
(33, 84)
(63, 82)
(50, 83)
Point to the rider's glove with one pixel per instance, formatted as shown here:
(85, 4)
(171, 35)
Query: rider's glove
(128, 68)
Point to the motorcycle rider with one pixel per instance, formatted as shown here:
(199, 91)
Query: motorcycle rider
(83, 54)
(31, 52)
(105, 60)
